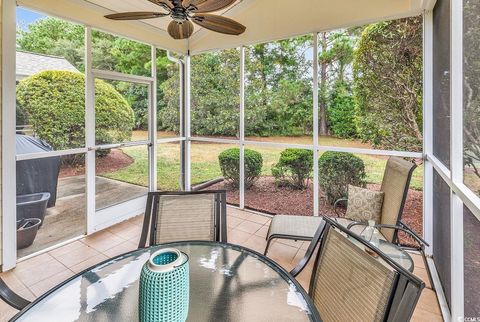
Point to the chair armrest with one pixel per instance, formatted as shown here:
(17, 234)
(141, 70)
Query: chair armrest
(335, 205)
(310, 250)
(404, 225)
(408, 231)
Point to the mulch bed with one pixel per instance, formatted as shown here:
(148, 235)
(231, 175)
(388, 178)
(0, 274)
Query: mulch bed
(115, 160)
(266, 197)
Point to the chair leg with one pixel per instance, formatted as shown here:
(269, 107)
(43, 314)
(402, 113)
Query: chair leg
(266, 247)
(429, 273)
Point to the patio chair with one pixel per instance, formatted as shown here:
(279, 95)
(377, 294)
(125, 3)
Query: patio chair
(12, 298)
(348, 284)
(176, 216)
(395, 184)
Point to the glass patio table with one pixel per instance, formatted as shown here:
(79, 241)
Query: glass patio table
(227, 283)
(393, 251)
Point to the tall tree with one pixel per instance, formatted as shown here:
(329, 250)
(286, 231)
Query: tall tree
(388, 84)
(51, 36)
(335, 58)
(54, 36)
(471, 60)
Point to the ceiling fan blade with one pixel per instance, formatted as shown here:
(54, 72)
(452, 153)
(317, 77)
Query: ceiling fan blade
(180, 30)
(219, 24)
(162, 3)
(136, 15)
(202, 6)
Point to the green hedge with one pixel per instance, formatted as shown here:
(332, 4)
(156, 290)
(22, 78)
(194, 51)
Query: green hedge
(230, 165)
(53, 102)
(336, 170)
(294, 168)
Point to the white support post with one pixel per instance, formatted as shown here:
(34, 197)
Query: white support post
(152, 127)
(428, 129)
(316, 209)
(456, 259)
(456, 158)
(186, 89)
(242, 127)
(89, 132)
(8, 230)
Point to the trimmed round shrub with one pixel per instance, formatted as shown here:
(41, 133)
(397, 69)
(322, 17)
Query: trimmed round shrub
(230, 165)
(294, 168)
(53, 103)
(336, 170)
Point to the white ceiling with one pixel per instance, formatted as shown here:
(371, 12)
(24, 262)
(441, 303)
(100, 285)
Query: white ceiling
(265, 19)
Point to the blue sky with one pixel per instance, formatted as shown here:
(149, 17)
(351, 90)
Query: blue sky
(26, 17)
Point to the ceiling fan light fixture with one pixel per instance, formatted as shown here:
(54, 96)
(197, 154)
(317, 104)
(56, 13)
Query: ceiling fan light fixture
(182, 10)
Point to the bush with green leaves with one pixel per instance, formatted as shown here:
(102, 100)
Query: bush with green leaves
(230, 165)
(294, 168)
(341, 111)
(53, 103)
(336, 170)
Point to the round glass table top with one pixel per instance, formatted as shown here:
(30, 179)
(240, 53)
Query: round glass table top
(227, 283)
(400, 256)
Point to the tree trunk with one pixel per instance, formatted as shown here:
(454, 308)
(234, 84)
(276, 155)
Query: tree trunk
(322, 128)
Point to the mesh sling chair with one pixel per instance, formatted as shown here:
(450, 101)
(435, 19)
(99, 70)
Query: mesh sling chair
(176, 216)
(348, 284)
(395, 184)
(12, 298)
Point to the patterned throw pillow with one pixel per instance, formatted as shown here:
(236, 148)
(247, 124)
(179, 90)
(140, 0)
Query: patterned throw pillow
(364, 204)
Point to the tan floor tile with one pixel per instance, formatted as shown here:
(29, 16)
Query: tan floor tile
(290, 242)
(120, 249)
(249, 227)
(137, 220)
(88, 263)
(304, 279)
(121, 226)
(428, 302)
(26, 293)
(256, 243)
(262, 232)
(66, 249)
(282, 253)
(126, 230)
(39, 272)
(41, 287)
(12, 281)
(305, 245)
(421, 315)
(102, 240)
(238, 237)
(417, 260)
(6, 312)
(288, 266)
(233, 222)
(237, 213)
(76, 256)
(259, 219)
(33, 262)
(423, 275)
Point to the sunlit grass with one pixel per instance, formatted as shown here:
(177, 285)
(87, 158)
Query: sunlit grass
(204, 166)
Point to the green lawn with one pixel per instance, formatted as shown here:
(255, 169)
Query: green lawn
(205, 166)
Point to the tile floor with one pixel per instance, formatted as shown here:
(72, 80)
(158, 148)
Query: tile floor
(30, 279)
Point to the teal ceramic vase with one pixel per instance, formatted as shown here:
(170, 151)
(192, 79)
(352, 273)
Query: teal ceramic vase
(164, 287)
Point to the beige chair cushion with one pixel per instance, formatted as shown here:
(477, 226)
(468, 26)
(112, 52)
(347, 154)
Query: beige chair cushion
(349, 284)
(186, 217)
(364, 204)
(303, 227)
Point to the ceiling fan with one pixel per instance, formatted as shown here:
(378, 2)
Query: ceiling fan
(183, 12)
